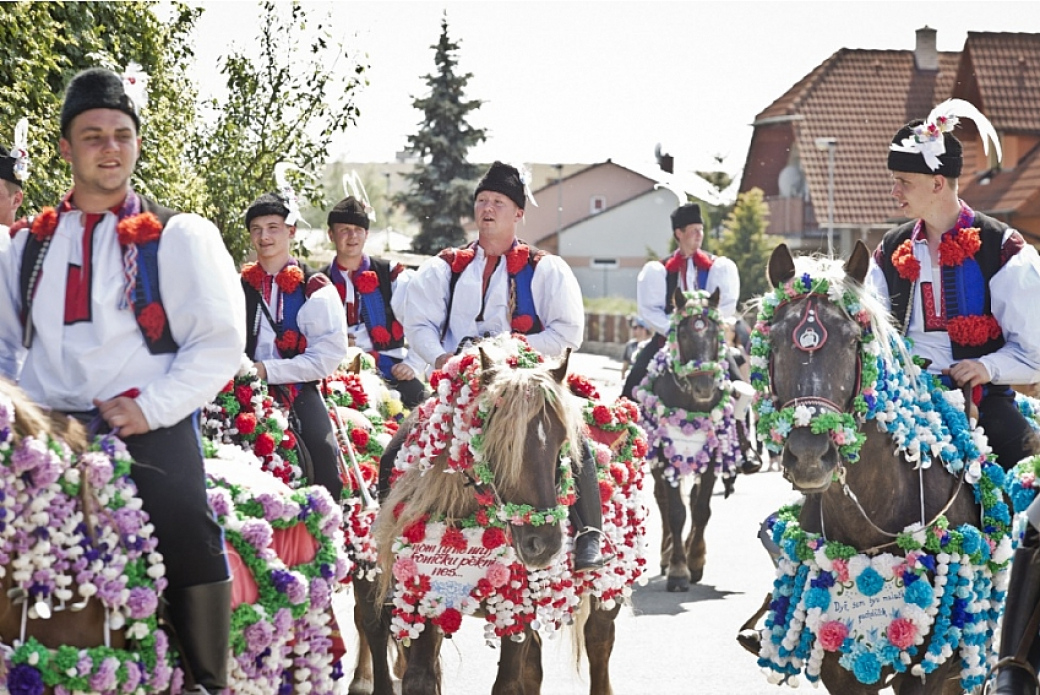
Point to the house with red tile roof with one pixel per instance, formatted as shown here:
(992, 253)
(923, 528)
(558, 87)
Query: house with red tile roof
(819, 152)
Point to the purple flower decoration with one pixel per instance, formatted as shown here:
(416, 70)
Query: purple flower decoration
(258, 533)
(258, 636)
(105, 678)
(219, 501)
(6, 416)
(142, 602)
(25, 680)
(283, 620)
(98, 468)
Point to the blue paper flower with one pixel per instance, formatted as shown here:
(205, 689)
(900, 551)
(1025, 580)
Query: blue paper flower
(869, 582)
(919, 593)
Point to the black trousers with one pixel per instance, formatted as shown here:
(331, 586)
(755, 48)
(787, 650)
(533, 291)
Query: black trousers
(171, 480)
(310, 419)
(641, 364)
(413, 391)
(1008, 432)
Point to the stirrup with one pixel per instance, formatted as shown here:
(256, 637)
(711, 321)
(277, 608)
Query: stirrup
(1012, 662)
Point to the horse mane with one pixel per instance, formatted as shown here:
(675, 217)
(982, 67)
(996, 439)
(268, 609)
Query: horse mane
(517, 398)
(30, 420)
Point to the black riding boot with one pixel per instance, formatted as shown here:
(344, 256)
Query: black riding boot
(1019, 646)
(201, 618)
(750, 461)
(586, 514)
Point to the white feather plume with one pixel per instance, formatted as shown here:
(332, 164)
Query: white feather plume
(525, 178)
(354, 186)
(952, 110)
(135, 84)
(20, 150)
(288, 192)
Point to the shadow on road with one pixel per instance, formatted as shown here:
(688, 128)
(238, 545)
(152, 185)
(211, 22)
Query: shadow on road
(654, 598)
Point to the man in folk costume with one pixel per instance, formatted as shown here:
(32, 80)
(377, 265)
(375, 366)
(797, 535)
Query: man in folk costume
(960, 285)
(296, 333)
(372, 292)
(130, 314)
(14, 170)
(498, 285)
(689, 268)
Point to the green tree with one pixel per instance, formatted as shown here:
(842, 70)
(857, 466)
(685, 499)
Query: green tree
(285, 106)
(744, 241)
(715, 215)
(442, 183)
(43, 44)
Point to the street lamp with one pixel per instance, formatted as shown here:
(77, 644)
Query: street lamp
(559, 199)
(829, 144)
(387, 225)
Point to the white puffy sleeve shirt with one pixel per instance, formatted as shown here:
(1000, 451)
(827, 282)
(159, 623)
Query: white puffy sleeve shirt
(68, 367)
(1013, 289)
(555, 290)
(652, 288)
(322, 321)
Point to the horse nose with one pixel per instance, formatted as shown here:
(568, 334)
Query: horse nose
(532, 546)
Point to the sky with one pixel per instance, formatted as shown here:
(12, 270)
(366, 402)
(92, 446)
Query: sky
(580, 82)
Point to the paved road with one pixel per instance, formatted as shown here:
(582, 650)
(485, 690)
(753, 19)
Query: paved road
(667, 643)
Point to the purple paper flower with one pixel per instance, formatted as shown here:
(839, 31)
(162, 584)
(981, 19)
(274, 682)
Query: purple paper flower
(142, 602)
(105, 678)
(25, 680)
(259, 635)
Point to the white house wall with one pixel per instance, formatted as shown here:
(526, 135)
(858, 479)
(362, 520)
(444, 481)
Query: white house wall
(621, 234)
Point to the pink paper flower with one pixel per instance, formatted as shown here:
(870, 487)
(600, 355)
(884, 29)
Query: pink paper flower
(405, 569)
(901, 633)
(497, 574)
(832, 634)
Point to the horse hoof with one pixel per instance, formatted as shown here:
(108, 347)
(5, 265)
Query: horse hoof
(750, 640)
(676, 584)
(361, 686)
(696, 575)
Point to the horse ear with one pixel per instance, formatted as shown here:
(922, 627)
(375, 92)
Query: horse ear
(713, 300)
(485, 361)
(355, 365)
(781, 266)
(559, 373)
(679, 298)
(858, 263)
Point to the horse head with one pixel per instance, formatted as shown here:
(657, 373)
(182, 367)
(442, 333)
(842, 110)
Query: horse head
(814, 364)
(697, 345)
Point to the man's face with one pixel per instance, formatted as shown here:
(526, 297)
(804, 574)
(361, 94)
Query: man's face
(349, 239)
(496, 214)
(690, 238)
(102, 146)
(913, 192)
(10, 201)
(271, 237)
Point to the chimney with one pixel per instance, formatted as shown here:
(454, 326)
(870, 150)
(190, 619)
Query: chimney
(926, 57)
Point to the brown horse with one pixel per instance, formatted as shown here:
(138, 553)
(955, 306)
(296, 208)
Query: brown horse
(530, 421)
(812, 362)
(690, 374)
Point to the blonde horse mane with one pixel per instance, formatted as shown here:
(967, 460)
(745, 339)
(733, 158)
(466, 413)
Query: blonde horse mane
(30, 420)
(518, 399)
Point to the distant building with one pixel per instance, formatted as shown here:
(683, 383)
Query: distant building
(858, 99)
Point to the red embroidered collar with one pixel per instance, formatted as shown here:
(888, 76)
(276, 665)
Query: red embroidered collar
(955, 248)
(288, 278)
(701, 259)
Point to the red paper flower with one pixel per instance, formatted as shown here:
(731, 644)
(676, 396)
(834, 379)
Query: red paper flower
(289, 278)
(601, 414)
(396, 330)
(606, 491)
(493, 537)
(517, 258)
(264, 445)
(449, 621)
(245, 423)
(639, 447)
(415, 531)
(380, 336)
(289, 440)
(244, 395)
(291, 343)
(366, 282)
(482, 517)
(958, 247)
(453, 538)
(228, 387)
(973, 330)
(462, 259)
(580, 386)
(139, 229)
(908, 267)
(359, 438)
(522, 323)
(254, 275)
(675, 263)
(153, 320)
(45, 223)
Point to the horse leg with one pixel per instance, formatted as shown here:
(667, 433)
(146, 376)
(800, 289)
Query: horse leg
(700, 513)
(599, 643)
(520, 666)
(674, 520)
(661, 496)
(422, 676)
(373, 622)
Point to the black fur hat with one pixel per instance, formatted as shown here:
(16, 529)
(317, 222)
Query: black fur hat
(96, 88)
(685, 215)
(350, 210)
(504, 179)
(950, 163)
(267, 204)
(7, 170)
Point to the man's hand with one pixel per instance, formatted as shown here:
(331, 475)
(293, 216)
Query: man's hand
(123, 415)
(261, 370)
(968, 373)
(351, 340)
(402, 372)
(439, 362)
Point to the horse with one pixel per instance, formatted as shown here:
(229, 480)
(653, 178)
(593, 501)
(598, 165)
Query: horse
(475, 521)
(887, 567)
(689, 413)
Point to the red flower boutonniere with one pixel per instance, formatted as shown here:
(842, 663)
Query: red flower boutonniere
(254, 275)
(397, 330)
(908, 267)
(959, 246)
(45, 223)
(380, 336)
(366, 282)
(139, 229)
(289, 278)
(522, 323)
(462, 259)
(973, 330)
(153, 320)
(517, 258)
(291, 343)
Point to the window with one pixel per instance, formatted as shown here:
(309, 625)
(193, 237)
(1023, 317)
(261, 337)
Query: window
(604, 263)
(597, 204)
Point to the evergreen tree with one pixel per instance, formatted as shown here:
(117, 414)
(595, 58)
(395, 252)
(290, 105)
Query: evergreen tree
(442, 183)
(745, 243)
